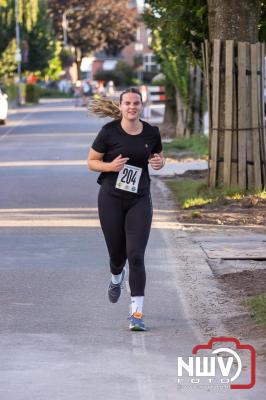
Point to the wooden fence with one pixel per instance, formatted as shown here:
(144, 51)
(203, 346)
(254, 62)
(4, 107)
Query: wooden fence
(234, 76)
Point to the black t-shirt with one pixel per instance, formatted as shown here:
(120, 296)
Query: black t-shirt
(112, 140)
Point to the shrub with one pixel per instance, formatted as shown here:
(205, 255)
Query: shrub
(49, 92)
(32, 93)
(107, 76)
(122, 75)
(12, 91)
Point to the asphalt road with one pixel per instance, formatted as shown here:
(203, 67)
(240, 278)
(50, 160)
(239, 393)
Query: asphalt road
(60, 338)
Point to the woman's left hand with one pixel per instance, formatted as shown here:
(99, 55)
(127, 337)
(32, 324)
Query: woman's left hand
(156, 162)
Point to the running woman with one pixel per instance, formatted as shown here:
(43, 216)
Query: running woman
(122, 151)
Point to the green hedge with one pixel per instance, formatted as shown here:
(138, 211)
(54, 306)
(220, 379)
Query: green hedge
(53, 93)
(12, 91)
(32, 93)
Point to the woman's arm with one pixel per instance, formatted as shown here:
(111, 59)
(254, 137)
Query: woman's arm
(157, 160)
(95, 162)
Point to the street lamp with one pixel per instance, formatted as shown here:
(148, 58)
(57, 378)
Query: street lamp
(18, 51)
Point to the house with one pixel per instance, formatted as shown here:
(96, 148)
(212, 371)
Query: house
(138, 54)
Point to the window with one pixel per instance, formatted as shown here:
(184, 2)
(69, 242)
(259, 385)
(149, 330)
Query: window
(150, 64)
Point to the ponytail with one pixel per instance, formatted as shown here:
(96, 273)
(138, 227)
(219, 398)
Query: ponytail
(104, 108)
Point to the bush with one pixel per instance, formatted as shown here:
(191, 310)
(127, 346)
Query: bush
(125, 72)
(122, 75)
(53, 93)
(148, 76)
(107, 76)
(12, 91)
(32, 93)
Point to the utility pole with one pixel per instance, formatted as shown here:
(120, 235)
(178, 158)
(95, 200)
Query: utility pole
(64, 26)
(18, 51)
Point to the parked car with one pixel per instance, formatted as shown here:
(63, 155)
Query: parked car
(3, 107)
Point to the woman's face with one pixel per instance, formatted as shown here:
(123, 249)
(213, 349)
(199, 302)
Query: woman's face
(131, 106)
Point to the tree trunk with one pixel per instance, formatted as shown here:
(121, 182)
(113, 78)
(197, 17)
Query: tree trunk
(196, 103)
(238, 21)
(234, 20)
(168, 127)
(181, 116)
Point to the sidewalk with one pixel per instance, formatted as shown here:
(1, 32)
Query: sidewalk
(176, 167)
(214, 303)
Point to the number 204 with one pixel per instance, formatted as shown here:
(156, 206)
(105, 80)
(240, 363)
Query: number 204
(129, 176)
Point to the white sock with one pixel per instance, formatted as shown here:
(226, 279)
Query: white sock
(137, 304)
(116, 278)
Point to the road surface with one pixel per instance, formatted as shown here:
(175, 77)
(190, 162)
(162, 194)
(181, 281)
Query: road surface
(60, 338)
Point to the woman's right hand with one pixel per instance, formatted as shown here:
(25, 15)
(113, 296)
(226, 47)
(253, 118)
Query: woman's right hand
(118, 163)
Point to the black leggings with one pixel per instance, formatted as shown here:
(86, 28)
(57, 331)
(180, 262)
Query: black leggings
(126, 222)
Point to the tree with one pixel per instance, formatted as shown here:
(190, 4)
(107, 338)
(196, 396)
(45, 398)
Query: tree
(178, 29)
(7, 23)
(35, 31)
(7, 60)
(95, 25)
(234, 20)
(237, 138)
(40, 41)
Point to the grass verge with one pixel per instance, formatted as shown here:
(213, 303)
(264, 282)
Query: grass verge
(257, 305)
(197, 144)
(195, 192)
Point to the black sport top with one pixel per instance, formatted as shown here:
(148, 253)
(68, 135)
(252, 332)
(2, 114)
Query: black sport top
(112, 140)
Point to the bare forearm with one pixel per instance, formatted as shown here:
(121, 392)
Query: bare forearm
(99, 166)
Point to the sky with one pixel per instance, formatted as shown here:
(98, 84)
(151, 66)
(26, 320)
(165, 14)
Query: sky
(140, 4)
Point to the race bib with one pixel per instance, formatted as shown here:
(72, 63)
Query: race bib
(128, 178)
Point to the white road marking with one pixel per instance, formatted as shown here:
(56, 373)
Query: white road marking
(40, 163)
(69, 209)
(51, 134)
(64, 217)
(66, 223)
(16, 124)
(143, 377)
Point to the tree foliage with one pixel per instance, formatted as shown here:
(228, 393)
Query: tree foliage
(40, 41)
(37, 42)
(178, 29)
(7, 23)
(95, 25)
(181, 24)
(7, 59)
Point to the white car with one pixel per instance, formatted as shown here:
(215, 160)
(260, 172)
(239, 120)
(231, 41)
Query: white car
(3, 107)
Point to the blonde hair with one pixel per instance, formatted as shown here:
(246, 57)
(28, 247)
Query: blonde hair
(105, 108)
(109, 108)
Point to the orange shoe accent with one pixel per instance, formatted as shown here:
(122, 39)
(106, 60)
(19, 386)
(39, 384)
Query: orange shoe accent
(137, 315)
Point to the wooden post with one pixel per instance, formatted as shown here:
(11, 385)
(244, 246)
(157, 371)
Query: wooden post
(215, 111)
(254, 117)
(242, 115)
(197, 100)
(206, 51)
(229, 81)
(260, 68)
(263, 132)
(238, 140)
(249, 133)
